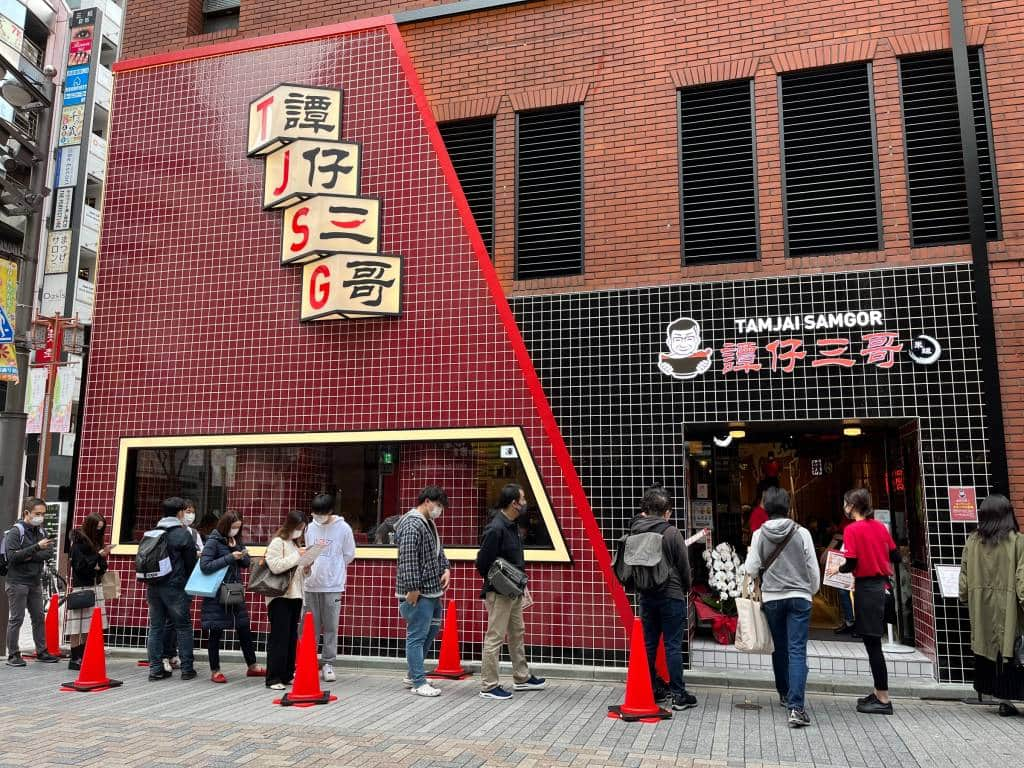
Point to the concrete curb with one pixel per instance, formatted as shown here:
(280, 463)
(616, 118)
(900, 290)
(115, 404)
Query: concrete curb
(735, 679)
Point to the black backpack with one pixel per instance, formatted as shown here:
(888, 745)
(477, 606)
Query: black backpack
(3, 547)
(153, 561)
(639, 562)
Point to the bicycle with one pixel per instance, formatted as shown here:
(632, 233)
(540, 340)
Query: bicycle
(53, 582)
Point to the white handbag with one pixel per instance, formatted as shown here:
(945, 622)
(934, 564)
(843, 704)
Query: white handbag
(752, 632)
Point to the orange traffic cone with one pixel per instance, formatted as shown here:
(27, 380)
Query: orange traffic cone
(53, 627)
(639, 704)
(93, 675)
(449, 665)
(305, 690)
(661, 662)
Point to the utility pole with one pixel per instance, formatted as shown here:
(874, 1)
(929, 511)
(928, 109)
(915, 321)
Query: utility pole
(999, 475)
(13, 418)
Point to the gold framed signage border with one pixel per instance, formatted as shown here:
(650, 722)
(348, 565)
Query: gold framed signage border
(557, 553)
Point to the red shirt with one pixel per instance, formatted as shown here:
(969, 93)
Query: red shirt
(870, 542)
(758, 517)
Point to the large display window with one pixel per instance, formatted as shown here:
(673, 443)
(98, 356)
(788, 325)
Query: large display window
(374, 476)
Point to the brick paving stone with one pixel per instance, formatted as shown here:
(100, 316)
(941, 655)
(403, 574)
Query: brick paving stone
(377, 723)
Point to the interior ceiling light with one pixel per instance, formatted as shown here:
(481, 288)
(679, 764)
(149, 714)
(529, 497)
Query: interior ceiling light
(739, 434)
(852, 431)
(723, 442)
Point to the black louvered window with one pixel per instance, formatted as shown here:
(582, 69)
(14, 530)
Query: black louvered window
(219, 15)
(470, 145)
(829, 170)
(717, 172)
(549, 192)
(935, 164)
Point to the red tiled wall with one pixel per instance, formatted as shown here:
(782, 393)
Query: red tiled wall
(196, 328)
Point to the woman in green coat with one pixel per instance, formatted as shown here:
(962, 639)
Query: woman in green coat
(992, 585)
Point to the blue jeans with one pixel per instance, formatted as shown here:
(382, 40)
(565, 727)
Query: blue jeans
(846, 603)
(169, 604)
(423, 622)
(790, 624)
(665, 617)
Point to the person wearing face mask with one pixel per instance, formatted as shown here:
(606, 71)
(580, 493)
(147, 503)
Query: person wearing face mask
(88, 557)
(423, 576)
(283, 553)
(325, 578)
(224, 549)
(167, 599)
(504, 614)
(171, 660)
(26, 548)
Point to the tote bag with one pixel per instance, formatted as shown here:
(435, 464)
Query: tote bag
(205, 584)
(752, 632)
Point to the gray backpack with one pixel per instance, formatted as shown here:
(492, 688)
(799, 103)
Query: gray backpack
(639, 562)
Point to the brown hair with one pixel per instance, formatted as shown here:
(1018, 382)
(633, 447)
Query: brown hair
(228, 519)
(294, 520)
(90, 530)
(860, 501)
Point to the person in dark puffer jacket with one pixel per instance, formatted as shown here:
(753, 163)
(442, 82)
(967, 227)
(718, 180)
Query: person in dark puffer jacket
(224, 547)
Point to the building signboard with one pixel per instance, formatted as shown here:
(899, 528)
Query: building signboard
(327, 228)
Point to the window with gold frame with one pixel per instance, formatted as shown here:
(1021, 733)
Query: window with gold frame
(375, 477)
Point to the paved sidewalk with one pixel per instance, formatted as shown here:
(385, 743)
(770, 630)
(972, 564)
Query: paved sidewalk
(378, 723)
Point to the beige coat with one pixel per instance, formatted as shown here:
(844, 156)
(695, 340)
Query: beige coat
(992, 585)
(282, 555)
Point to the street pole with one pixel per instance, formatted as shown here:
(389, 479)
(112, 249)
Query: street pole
(13, 418)
(999, 475)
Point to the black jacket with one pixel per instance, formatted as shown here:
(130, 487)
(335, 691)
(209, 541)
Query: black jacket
(87, 565)
(500, 539)
(217, 554)
(24, 557)
(181, 548)
(673, 547)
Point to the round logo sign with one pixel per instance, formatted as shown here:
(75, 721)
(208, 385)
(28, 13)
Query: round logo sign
(925, 350)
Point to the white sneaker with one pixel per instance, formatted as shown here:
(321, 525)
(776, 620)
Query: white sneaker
(167, 666)
(328, 673)
(426, 690)
(407, 682)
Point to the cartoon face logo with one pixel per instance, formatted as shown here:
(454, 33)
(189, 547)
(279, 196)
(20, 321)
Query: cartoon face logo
(685, 358)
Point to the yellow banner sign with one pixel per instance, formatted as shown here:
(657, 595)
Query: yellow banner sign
(8, 306)
(307, 168)
(344, 286)
(292, 112)
(328, 224)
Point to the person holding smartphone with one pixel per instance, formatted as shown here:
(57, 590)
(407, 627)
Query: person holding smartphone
(88, 557)
(224, 549)
(26, 547)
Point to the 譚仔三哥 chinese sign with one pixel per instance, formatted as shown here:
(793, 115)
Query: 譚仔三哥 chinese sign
(313, 176)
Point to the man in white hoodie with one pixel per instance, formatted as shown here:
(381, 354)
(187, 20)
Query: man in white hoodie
(325, 580)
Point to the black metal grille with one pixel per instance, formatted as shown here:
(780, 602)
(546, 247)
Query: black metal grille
(830, 174)
(935, 164)
(549, 192)
(470, 145)
(717, 172)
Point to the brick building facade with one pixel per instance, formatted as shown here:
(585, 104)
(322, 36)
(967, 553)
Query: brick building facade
(594, 336)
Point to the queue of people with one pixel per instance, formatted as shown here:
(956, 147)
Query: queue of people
(781, 554)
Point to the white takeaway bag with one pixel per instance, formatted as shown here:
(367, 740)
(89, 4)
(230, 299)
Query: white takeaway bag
(752, 632)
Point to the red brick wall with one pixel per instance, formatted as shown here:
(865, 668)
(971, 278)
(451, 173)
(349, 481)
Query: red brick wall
(626, 59)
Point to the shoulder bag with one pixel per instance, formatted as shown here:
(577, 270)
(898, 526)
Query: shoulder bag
(753, 634)
(231, 595)
(264, 581)
(81, 598)
(506, 579)
(205, 584)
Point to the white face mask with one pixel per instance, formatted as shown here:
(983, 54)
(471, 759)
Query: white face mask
(37, 521)
(235, 530)
(189, 518)
(321, 518)
(296, 534)
(435, 511)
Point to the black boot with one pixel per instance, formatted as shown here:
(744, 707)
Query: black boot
(77, 653)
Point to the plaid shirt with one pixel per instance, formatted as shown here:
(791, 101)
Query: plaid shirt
(421, 559)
